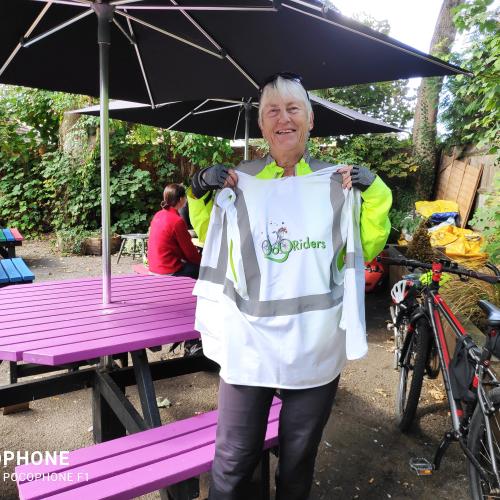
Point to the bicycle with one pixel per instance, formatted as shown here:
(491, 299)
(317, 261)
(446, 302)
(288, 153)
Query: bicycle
(472, 389)
(281, 246)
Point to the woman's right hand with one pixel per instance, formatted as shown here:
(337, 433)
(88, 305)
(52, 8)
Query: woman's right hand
(210, 178)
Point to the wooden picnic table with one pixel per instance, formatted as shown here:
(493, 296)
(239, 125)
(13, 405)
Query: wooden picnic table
(10, 238)
(63, 323)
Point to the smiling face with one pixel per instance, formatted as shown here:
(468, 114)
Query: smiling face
(285, 120)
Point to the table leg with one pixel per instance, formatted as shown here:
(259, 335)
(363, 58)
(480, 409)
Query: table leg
(106, 424)
(11, 250)
(186, 490)
(146, 388)
(122, 246)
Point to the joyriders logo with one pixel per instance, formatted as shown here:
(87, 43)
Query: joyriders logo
(278, 247)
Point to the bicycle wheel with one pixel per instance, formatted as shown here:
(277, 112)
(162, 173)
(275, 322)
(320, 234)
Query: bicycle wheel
(432, 366)
(412, 375)
(267, 248)
(478, 445)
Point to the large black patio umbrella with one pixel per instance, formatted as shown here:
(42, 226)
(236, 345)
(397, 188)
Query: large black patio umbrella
(238, 119)
(188, 49)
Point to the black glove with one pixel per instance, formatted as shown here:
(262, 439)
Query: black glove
(208, 178)
(361, 177)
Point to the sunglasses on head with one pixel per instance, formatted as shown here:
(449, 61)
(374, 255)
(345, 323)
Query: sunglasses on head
(285, 75)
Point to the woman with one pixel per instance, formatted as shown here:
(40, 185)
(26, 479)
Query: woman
(270, 312)
(170, 250)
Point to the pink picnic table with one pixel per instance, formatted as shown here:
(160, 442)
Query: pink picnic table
(57, 323)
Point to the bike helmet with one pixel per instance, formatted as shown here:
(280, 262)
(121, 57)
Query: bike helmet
(398, 291)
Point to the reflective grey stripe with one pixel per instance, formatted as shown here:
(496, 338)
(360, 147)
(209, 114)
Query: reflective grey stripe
(283, 307)
(249, 257)
(349, 260)
(253, 167)
(217, 274)
(337, 200)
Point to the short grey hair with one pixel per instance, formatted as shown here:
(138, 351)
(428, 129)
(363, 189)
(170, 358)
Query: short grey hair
(285, 87)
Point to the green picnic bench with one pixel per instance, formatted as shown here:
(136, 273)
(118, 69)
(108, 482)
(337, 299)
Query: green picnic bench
(10, 238)
(140, 463)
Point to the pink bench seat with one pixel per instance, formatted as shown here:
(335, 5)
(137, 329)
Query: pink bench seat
(133, 465)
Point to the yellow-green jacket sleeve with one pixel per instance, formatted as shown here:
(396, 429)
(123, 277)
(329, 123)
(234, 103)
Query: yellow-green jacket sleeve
(199, 212)
(375, 224)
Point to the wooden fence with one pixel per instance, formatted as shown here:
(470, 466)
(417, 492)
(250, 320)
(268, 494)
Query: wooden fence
(465, 176)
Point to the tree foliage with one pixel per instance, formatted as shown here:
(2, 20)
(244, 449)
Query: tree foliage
(50, 182)
(471, 111)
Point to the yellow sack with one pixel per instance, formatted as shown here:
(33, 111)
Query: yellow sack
(427, 208)
(458, 242)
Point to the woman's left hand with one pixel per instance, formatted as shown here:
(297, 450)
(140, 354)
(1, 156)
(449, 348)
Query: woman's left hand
(346, 176)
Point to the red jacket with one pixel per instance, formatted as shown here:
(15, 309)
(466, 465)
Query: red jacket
(169, 243)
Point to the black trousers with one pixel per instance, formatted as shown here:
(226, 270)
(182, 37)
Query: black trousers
(188, 269)
(241, 428)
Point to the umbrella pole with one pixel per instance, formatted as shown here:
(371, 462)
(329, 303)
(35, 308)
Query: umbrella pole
(248, 107)
(104, 18)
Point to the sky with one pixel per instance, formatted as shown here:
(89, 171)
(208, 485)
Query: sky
(412, 21)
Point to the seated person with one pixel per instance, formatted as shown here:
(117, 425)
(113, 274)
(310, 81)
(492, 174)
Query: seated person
(170, 250)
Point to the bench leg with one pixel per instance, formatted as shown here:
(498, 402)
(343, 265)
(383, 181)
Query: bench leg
(13, 376)
(11, 250)
(13, 372)
(106, 424)
(187, 490)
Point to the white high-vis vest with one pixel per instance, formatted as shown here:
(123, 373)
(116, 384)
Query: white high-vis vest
(273, 308)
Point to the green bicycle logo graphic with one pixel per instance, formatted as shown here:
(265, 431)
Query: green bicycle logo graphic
(280, 248)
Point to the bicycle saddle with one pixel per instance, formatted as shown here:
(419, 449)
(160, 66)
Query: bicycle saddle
(492, 311)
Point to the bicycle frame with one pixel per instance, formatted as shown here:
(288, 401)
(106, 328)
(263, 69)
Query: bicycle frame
(434, 307)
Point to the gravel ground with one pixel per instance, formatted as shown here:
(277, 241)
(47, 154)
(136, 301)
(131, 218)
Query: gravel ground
(362, 454)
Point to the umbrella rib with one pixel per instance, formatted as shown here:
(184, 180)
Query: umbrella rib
(124, 32)
(168, 33)
(242, 71)
(188, 114)
(73, 3)
(198, 27)
(195, 7)
(118, 3)
(55, 29)
(217, 45)
(163, 104)
(28, 33)
(141, 64)
(222, 108)
(230, 101)
(371, 37)
(237, 123)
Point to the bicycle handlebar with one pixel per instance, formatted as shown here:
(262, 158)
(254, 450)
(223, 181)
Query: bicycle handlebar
(448, 267)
